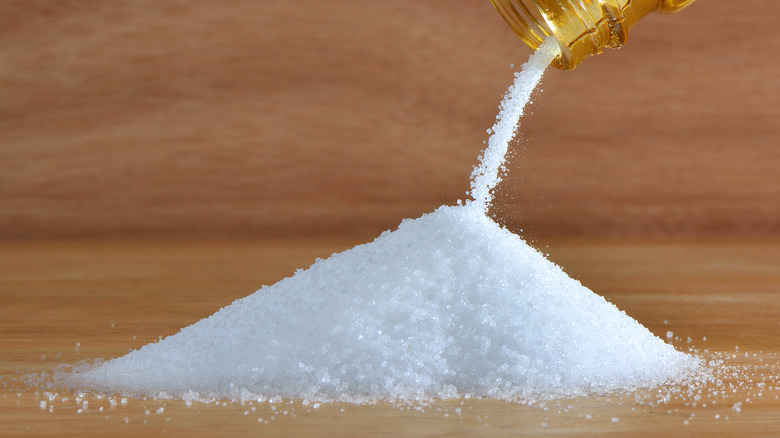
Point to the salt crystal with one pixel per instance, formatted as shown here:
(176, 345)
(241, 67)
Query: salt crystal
(448, 305)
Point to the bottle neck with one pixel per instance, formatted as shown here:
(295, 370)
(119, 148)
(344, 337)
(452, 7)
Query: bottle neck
(581, 27)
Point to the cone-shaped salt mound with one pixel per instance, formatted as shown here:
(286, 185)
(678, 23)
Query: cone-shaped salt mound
(448, 304)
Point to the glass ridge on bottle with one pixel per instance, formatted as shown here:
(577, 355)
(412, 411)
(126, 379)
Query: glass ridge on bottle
(581, 27)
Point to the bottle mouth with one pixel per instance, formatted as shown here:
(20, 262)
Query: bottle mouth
(581, 27)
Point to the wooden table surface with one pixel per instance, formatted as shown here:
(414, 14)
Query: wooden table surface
(61, 302)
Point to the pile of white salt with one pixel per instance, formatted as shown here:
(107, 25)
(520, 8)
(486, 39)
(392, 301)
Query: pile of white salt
(448, 305)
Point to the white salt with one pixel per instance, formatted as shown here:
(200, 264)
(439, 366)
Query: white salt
(448, 305)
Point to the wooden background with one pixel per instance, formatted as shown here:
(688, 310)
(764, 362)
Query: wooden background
(305, 118)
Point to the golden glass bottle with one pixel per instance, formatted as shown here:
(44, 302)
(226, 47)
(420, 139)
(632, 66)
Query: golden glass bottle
(582, 27)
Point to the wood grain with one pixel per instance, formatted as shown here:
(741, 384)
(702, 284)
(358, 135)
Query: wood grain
(298, 118)
(112, 296)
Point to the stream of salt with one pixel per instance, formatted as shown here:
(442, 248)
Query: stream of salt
(487, 174)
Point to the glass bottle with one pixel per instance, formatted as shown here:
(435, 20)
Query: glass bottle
(582, 27)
